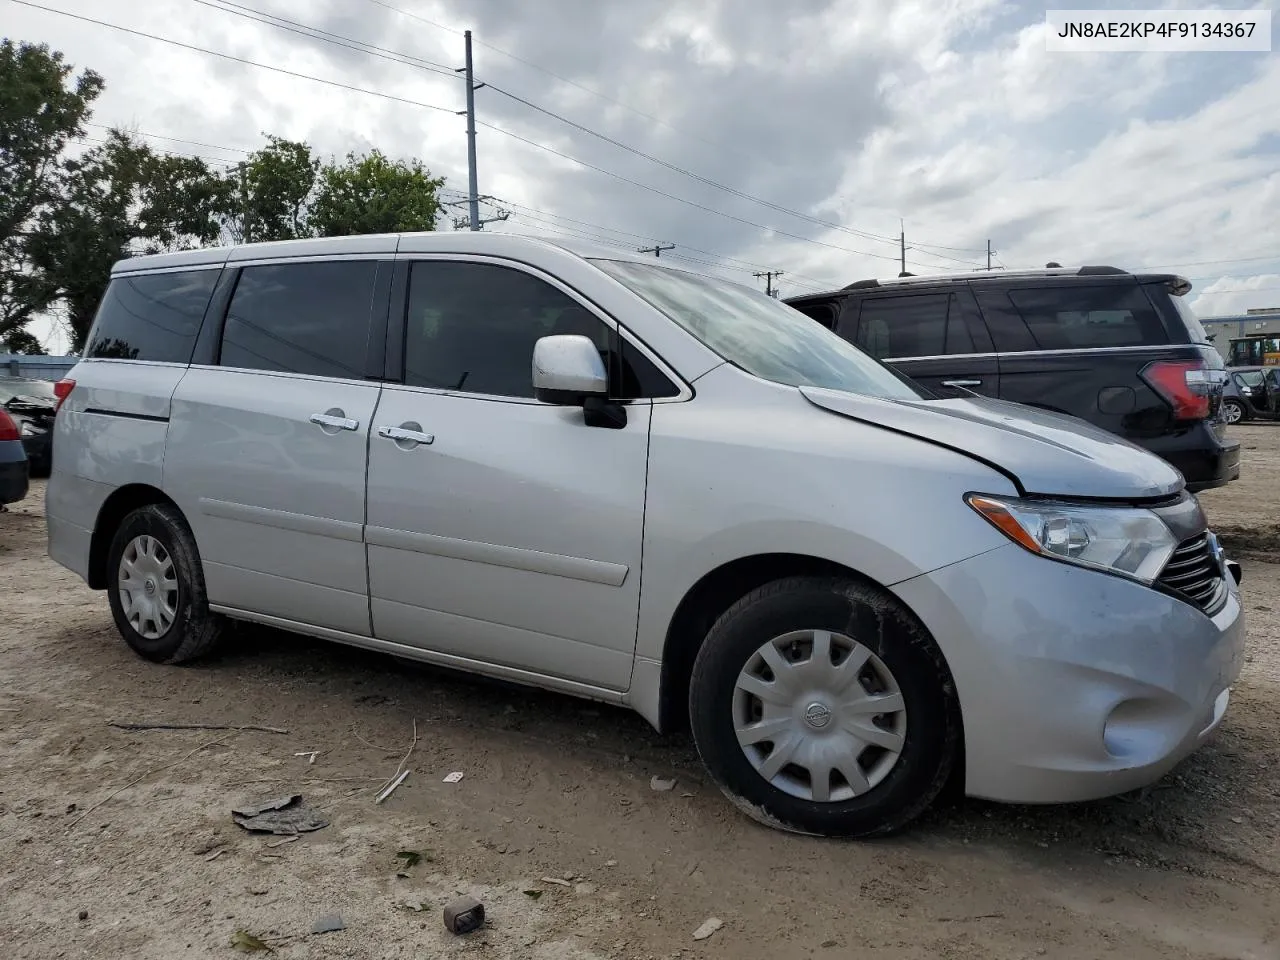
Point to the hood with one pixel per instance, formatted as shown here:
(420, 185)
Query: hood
(1045, 453)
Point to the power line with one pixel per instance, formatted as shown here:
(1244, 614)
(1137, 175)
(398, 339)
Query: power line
(315, 33)
(408, 60)
(227, 56)
(171, 153)
(160, 136)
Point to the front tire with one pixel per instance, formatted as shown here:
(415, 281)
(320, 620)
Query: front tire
(156, 587)
(1233, 411)
(822, 706)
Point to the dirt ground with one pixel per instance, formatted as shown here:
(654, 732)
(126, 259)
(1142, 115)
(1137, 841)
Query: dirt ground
(118, 843)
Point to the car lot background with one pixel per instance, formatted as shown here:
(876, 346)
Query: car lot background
(555, 787)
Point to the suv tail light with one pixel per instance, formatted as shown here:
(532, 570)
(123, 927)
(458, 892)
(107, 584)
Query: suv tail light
(1187, 385)
(8, 429)
(62, 389)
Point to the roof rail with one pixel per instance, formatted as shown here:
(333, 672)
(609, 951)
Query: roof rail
(1086, 271)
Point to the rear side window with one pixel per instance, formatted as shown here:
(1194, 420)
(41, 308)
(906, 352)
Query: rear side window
(1079, 316)
(153, 316)
(310, 318)
(919, 326)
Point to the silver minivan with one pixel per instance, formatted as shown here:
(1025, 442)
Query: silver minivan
(607, 476)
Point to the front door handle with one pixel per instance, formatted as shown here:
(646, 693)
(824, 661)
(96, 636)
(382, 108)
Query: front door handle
(334, 420)
(406, 435)
(962, 383)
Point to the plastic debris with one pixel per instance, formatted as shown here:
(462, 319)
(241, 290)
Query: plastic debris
(453, 777)
(464, 915)
(283, 815)
(329, 923)
(661, 785)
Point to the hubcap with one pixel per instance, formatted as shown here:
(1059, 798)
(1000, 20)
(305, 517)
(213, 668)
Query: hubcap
(148, 587)
(1234, 413)
(819, 715)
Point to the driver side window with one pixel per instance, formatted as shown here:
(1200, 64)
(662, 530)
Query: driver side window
(471, 327)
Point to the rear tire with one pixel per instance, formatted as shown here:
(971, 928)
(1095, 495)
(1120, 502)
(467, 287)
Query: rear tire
(156, 587)
(857, 731)
(1233, 411)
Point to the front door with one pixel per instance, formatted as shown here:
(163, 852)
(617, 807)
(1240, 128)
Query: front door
(502, 530)
(267, 448)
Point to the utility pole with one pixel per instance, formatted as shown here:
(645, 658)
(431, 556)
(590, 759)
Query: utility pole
(902, 248)
(242, 168)
(989, 253)
(472, 87)
(769, 288)
(657, 248)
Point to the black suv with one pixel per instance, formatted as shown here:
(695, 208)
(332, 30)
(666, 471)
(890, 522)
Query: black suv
(1120, 350)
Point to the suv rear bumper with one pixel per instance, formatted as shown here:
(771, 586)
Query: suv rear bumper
(1204, 459)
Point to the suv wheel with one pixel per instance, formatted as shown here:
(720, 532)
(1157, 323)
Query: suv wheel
(156, 587)
(822, 706)
(1232, 411)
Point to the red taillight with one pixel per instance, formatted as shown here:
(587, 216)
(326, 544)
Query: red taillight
(62, 389)
(1185, 384)
(8, 429)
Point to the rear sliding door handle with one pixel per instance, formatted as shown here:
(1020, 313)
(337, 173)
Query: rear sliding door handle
(962, 383)
(405, 435)
(334, 421)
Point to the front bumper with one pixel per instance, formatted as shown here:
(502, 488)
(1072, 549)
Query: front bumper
(1074, 684)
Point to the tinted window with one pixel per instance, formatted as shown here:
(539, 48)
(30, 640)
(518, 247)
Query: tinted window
(472, 327)
(1251, 379)
(310, 318)
(640, 377)
(917, 326)
(824, 313)
(1008, 332)
(153, 316)
(757, 333)
(1078, 316)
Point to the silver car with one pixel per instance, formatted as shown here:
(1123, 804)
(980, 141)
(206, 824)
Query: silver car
(607, 476)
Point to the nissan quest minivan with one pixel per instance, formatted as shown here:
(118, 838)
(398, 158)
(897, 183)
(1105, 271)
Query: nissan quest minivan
(608, 476)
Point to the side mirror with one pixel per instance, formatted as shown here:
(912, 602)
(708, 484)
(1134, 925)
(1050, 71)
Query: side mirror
(567, 369)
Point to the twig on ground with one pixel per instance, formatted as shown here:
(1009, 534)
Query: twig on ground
(370, 743)
(391, 788)
(135, 782)
(396, 777)
(194, 726)
(314, 780)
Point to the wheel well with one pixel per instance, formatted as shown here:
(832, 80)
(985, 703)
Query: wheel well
(119, 505)
(701, 607)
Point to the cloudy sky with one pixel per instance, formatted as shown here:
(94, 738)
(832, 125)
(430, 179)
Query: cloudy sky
(753, 136)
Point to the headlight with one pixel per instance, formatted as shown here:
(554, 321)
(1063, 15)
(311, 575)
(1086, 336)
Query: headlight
(1128, 541)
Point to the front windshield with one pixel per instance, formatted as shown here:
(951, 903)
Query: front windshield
(757, 333)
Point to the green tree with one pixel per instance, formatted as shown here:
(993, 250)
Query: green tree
(42, 106)
(120, 200)
(371, 194)
(270, 192)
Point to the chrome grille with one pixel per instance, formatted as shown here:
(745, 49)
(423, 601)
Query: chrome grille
(1194, 573)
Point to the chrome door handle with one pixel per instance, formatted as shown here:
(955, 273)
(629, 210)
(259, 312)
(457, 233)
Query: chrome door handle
(403, 435)
(334, 421)
(962, 383)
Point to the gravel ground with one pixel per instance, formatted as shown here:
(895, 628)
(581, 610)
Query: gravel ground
(119, 843)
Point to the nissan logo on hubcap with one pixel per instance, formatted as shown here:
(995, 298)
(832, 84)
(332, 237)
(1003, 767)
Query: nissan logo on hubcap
(817, 715)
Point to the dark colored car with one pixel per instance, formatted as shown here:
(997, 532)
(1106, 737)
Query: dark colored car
(1120, 350)
(13, 462)
(31, 404)
(1252, 393)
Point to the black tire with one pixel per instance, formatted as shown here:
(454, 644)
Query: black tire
(1234, 411)
(882, 624)
(195, 631)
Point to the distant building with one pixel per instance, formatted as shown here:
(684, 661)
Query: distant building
(35, 368)
(1257, 322)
